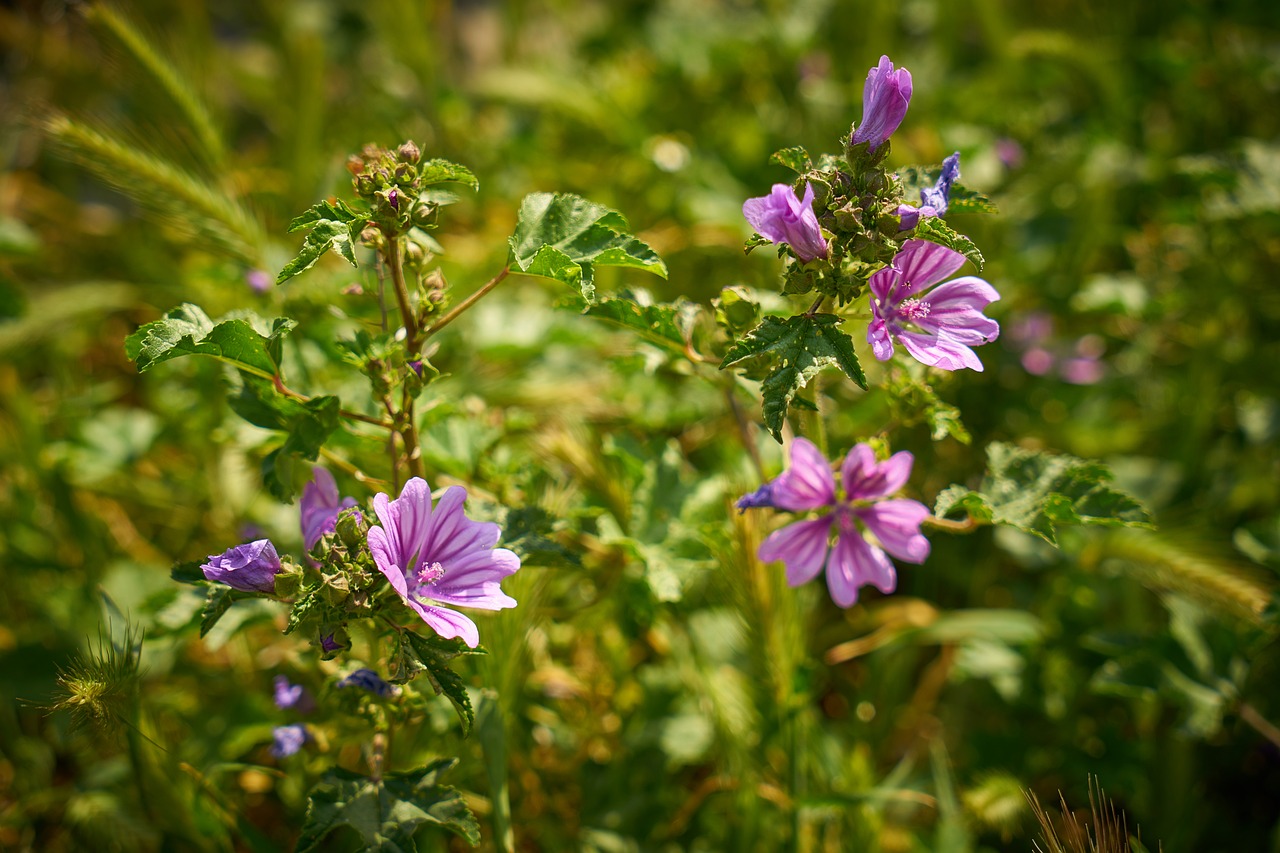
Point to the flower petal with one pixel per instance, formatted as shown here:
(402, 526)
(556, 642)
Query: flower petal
(802, 546)
(472, 581)
(866, 479)
(896, 524)
(448, 623)
(386, 558)
(923, 264)
(808, 483)
(452, 535)
(878, 337)
(853, 564)
(940, 349)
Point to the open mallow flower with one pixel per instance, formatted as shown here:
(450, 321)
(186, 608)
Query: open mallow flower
(884, 103)
(933, 200)
(783, 218)
(805, 547)
(937, 323)
(320, 506)
(251, 567)
(436, 556)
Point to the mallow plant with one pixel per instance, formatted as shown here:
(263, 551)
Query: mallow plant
(398, 583)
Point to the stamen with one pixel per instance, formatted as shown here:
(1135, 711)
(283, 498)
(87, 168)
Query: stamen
(430, 573)
(913, 309)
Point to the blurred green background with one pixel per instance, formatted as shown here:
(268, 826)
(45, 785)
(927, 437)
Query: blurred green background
(668, 693)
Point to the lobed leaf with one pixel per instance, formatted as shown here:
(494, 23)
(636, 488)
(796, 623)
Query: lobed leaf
(416, 655)
(933, 229)
(187, 330)
(307, 424)
(795, 158)
(563, 236)
(667, 324)
(334, 227)
(1035, 491)
(442, 171)
(386, 812)
(221, 597)
(800, 347)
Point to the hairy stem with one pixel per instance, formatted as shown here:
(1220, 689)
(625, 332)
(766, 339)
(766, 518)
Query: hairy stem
(467, 303)
(405, 423)
(412, 344)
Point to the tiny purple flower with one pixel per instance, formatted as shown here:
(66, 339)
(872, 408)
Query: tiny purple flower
(884, 103)
(288, 739)
(933, 200)
(320, 506)
(437, 555)
(393, 198)
(1082, 371)
(292, 696)
(329, 643)
(367, 679)
(1037, 361)
(805, 546)
(782, 218)
(259, 281)
(249, 568)
(937, 325)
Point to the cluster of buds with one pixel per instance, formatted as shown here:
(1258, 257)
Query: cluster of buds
(389, 181)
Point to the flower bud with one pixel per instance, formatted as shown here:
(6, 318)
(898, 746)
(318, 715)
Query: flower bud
(884, 104)
(424, 215)
(351, 528)
(409, 153)
(249, 568)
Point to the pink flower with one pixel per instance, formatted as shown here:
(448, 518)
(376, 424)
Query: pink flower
(436, 555)
(805, 546)
(783, 218)
(320, 506)
(937, 325)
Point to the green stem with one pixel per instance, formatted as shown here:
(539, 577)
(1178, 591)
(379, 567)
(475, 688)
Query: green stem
(493, 740)
(355, 416)
(467, 303)
(404, 419)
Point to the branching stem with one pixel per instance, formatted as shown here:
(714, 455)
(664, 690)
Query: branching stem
(467, 303)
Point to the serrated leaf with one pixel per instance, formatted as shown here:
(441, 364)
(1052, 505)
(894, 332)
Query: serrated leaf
(935, 230)
(668, 324)
(442, 171)
(307, 605)
(800, 347)
(562, 236)
(1035, 491)
(334, 227)
(965, 200)
(912, 400)
(187, 330)
(416, 654)
(386, 812)
(795, 158)
(307, 425)
(221, 597)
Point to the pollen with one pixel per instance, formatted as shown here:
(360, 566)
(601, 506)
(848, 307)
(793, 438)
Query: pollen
(913, 309)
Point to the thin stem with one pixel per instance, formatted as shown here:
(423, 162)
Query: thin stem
(817, 303)
(409, 434)
(1259, 723)
(969, 525)
(346, 413)
(467, 303)
(343, 465)
(411, 343)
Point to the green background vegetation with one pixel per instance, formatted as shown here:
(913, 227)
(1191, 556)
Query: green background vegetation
(668, 693)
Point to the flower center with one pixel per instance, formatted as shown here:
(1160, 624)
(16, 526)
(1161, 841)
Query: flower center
(429, 574)
(844, 517)
(913, 309)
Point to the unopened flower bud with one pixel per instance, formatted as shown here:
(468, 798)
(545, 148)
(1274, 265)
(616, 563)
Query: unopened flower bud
(351, 527)
(409, 153)
(393, 198)
(405, 175)
(424, 215)
(364, 185)
(372, 236)
(249, 568)
(413, 252)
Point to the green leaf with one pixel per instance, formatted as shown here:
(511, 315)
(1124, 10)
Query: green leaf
(416, 654)
(386, 812)
(189, 572)
(667, 324)
(965, 200)
(1035, 491)
(563, 236)
(911, 400)
(334, 226)
(934, 230)
(800, 347)
(796, 159)
(442, 171)
(307, 425)
(221, 597)
(525, 530)
(241, 340)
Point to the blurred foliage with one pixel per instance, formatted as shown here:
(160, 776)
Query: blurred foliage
(658, 687)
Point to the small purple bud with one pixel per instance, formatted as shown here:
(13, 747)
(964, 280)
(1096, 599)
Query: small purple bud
(393, 199)
(367, 679)
(329, 643)
(248, 568)
(288, 739)
(416, 367)
(258, 280)
(884, 103)
(760, 498)
(294, 697)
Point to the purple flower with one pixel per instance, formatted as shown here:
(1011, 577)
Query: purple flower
(805, 546)
(259, 281)
(884, 103)
(937, 325)
(933, 200)
(329, 643)
(439, 555)
(783, 218)
(760, 498)
(288, 739)
(320, 506)
(367, 679)
(292, 696)
(248, 568)
(1037, 361)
